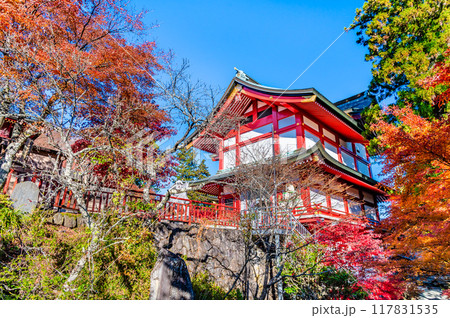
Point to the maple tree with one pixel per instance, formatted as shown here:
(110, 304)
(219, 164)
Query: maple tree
(70, 74)
(417, 169)
(346, 260)
(353, 246)
(408, 46)
(60, 58)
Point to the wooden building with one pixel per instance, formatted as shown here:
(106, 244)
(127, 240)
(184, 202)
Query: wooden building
(300, 124)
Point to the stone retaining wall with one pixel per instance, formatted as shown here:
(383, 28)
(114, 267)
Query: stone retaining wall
(219, 252)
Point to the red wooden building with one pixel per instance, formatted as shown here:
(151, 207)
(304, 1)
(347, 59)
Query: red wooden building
(297, 124)
(301, 124)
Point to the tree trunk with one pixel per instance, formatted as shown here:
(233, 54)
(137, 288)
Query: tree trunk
(146, 194)
(278, 266)
(10, 154)
(93, 245)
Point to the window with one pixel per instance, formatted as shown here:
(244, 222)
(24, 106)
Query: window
(368, 197)
(348, 160)
(329, 135)
(370, 212)
(229, 159)
(256, 151)
(256, 132)
(331, 150)
(310, 123)
(337, 203)
(264, 113)
(229, 142)
(353, 192)
(229, 202)
(243, 203)
(363, 167)
(288, 141)
(310, 139)
(361, 150)
(317, 198)
(346, 144)
(354, 207)
(285, 122)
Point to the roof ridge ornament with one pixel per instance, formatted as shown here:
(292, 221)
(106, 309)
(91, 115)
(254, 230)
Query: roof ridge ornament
(241, 74)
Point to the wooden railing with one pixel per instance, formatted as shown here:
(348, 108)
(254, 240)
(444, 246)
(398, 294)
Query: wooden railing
(191, 211)
(176, 209)
(282, 222)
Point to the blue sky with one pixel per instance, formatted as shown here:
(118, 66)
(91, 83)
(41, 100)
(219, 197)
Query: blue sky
(272, 41)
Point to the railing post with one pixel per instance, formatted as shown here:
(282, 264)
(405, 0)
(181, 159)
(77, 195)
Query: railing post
(190, 213)
(8, 180)
(58, 194)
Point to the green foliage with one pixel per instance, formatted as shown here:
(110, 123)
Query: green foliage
(405, 39)
(189, 169)
(206, 289)
(10, 220)
(123, 270)
(36, 261)
(318, 281)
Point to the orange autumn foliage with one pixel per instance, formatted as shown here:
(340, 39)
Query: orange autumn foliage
(417, 169)
(71, 65)
(65, 51)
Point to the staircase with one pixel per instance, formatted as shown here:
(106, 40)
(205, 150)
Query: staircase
(284, 223)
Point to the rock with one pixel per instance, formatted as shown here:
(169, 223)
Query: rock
(58, 219)
(218, 252)
(80, 220)
(25, 196)
(432, 294)
(70, 221)
(170, 278)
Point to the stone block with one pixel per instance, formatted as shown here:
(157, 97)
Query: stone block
(70, 220)
(58, 219)
(25, 196)
(80, 221)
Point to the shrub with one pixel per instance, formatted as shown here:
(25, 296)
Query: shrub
(36, 258)
(320, 281)
(206, 289)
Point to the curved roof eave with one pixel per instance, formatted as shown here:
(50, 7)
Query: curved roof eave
(277, 91)
(300, 155)
(298, 92)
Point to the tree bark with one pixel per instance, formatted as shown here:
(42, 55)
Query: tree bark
(10, 154)
(146, 193)
(93, 245)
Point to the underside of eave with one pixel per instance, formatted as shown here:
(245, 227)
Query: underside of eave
(307, 100)
(327, 162)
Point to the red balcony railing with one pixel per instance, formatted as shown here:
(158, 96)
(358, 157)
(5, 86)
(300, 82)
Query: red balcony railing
(176, 209)
(191, 211)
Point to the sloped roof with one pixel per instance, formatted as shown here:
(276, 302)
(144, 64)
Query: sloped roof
(48, 140)
(242, 89)
(330, 164)
(355, 103)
